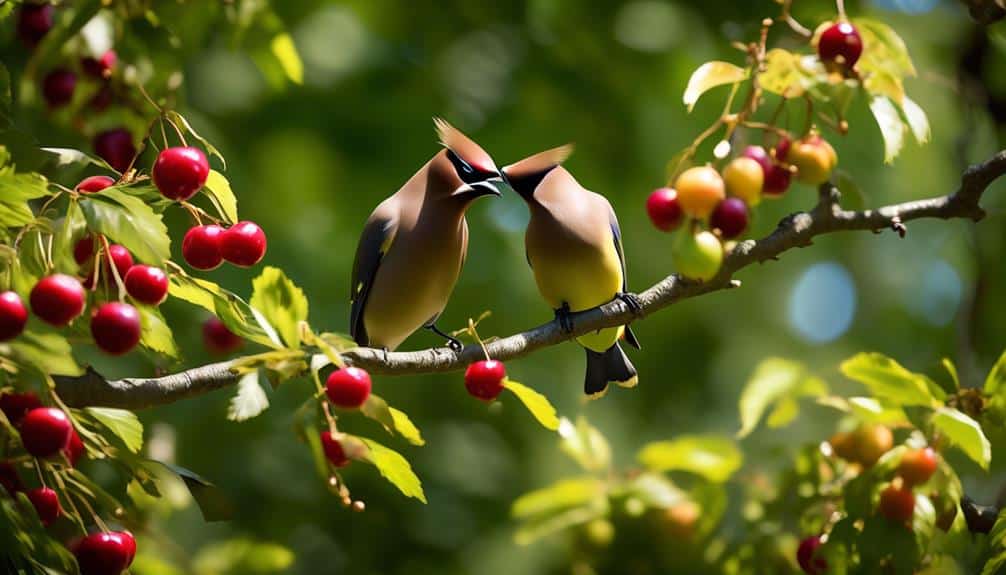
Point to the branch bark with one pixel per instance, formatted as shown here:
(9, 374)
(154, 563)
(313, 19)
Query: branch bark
(796, 230)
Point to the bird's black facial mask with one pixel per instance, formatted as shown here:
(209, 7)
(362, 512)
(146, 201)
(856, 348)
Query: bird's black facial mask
(525, 184)
(468, 173)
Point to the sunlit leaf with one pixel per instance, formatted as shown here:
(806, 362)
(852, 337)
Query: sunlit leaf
(559, 496)
(995, 382)
(127, 220)
(883, 49)
(536, 403)
(395, 469)
(180, 120)
(888, 380)
(281, 302)
(392, 419)
(531, 531)
(774, 380)
(250, 399)
(585, 444)
(70, 156)
(655, 491)
(917, 120)
(787, 74)
(965, 433)
(122, 423)
(285, 51)
(46, 352)
(239, 317)
(156, 334)
(709, 76)
(219, 191)
(714, 457)
(243, 556)
(406, 428)
(891, 127)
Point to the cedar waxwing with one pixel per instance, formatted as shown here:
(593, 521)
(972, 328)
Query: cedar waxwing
(574, 247)
(414, 244)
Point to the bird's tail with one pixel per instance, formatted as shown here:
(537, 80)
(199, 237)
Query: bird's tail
(607, 367)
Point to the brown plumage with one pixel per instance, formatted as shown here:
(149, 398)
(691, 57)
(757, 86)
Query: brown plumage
(414, 244)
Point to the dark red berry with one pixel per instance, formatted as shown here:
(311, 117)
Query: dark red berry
(334, 452)
(243, 244)
(180, 172)
(33, 22)
(121, 258)
(46, 504)
(348, 387)
(45, 431)
(484, 379)
(777, 177)
(840, 43)
(782, 148)
(219, 339)
(115, 147)
(102, 99)
(16, 405)
(57, 299)
(730, 217)
(116, 327)
(9, 478)
(806, 557)
(918, 465)
(74, 449)
(58, 86)
(105, 553)
(94, 184)
(201, 247)
(897, 505)
(664, 210)
(83, 250)
(147, 284)
(99, 67)
(13, 315)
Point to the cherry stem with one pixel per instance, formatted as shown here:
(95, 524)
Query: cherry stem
(114, 270)
(69, 500)
(164, 134)
(178, 131)
(475, 335)
(840, 4)
(38, 469)
(795, 26)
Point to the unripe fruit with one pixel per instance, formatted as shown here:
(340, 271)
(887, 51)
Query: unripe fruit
(917, 466)
(115, 147)
(844, 445)
(13, 315)
(681, 520)
(201, 247)
(33, 22)
(180, 172)
(484, 379)
(94, 184)
(744, 178)
(333, 449)
(74, 448)
(776, 177)
(16, 405)
(805, 557)
(730, 217)
(814, 159)
(599, 532)
(697, 256)
(57, 299)
(116, 328)
(9, 478)
(348, 387)
(243, 244)
(105, 553)
(45, 431)
(699, 190)
(46, 504)
(218, 339)
(872, 441)
(897, 505)
(58, 86)
(100, 67)
(841, 44)
(664, 209)
(146, 284)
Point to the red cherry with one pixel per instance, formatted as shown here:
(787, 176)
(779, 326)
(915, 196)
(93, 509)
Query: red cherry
(9, 478)
(58, 86)
(243, 244)
(13, 315)
(100, 67)
(180, 172)
(57, 299)
(74, 449)
(33, 22)
(147, 284)
(16, 405)
(46, 504)
(105, 553)
(333, 450)
(102, 99)
(840, 43)
(782, 148)
(730, 217)
(484, 379)
(897, 505)
(776, 177)
(219, 339)
(122, 259)
(348, 387)
(94, 184)
(805, 557)
(115, 147)
(83, 250)
(917, 466)
(664, 209)
(201, 247)
(45, 431)
(116, 327)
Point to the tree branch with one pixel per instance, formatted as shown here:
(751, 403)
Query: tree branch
(796, 230)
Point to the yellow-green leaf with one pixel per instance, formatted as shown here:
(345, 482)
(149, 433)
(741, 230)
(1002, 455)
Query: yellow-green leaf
(709, 76)
(714, 457)
(891, 127)
(585, 444)
(995, 383)
(889, 381)
(787, 74)
(965, 433)
(536, 403)
(561, 495)
(917, 120)
(406, 428)
(127, 220)
(219, 191)
(285, 51)
(46, 352)
(156, 334)
(391, 419)
(250, 399)
(774, 381)
(395, 469)
(281, 302)
(123, 423)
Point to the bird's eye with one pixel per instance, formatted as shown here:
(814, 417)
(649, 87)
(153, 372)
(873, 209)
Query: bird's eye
(468, 173)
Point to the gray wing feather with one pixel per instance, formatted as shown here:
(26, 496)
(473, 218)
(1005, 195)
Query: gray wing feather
(368, 260)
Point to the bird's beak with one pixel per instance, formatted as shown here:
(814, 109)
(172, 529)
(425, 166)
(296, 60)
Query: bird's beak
(479, 189)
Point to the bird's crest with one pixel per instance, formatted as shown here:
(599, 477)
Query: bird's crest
(452, 139)
(539, 162)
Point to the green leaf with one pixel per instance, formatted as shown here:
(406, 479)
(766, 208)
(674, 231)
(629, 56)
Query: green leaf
(870, 409)
(180, 120)
(917, 120)
(243, 556)
(406, 428)
(392, 419)
(71, 156)
(709, 76)
(196, 291)
(285, 51)
(891, 127)
(559, 496)
(774, 381)
(219, 190)
(46, 352)
(395, 469)
(239, 317)
(888, 380)
(531, 531)
(68, 231)
(883, 49)
(955, 380)
(585, 444)
(965, 433)
(536, 403)
(995, 382)
(711, 456)
(250, 399)
(212, 501)
(20, 187)
(126, 220)
(122, 423)
(156, 334)
(788, 74)
(281, 302)
(655, 491)
(996, 564)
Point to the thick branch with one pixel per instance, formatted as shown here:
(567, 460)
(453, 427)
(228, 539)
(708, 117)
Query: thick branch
(797, 230)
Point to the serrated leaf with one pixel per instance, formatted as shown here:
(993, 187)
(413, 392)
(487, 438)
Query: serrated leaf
(392, 419)
(883, 49)
(219, 191)
(179, 119)
(965, 433)
(709, 76)
(212, 501)
(917, 120)
(891, 127)
(239, 317)
(711, 456)
(995, 382)
(536, 403)
(889, 381)
(774, 380)
(127, 220)
(285, 51)
(196, 291)
(585, 444)
(785, 74)
(46, 352)
(281, 302)
(557, 497)
(395, 469)
(406, 428)
(156, 333)
(70, 156)
(122, 423)
(249, 401)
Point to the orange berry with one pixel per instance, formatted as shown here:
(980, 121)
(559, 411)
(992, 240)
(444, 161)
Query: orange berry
(699, 190)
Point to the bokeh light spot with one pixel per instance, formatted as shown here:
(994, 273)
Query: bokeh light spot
(938, 294)
(823, 302)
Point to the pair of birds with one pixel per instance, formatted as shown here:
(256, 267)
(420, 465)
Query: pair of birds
(414, 245)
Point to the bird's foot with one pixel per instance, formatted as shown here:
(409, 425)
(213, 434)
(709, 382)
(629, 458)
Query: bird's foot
(453, 343)
(631, 301)
(565, 318)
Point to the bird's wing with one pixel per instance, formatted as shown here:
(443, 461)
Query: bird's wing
(375, 241)
(616, 233)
